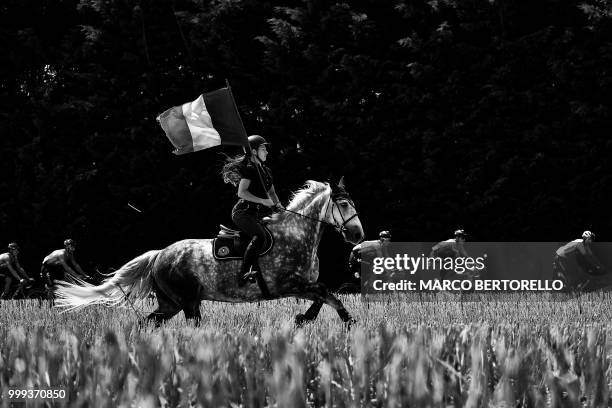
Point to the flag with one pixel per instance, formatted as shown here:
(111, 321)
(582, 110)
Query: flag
(211, 120)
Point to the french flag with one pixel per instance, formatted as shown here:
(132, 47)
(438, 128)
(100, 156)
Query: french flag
(211, 120)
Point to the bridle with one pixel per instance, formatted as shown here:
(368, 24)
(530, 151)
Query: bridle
(332, 199)
(341, 228)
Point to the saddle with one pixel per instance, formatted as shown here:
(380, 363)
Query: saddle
(231, 243)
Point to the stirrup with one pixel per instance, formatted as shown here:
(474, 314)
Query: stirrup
(255, 276)
(248, 277)
(251, 276)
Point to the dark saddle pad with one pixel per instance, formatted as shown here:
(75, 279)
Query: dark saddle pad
(231, 244)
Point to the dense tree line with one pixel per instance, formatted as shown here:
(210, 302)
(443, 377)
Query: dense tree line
(490, 115)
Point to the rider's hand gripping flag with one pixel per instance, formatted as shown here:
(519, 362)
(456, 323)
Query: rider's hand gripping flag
(211, 120)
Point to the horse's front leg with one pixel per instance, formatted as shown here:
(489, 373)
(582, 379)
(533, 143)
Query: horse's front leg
(300, 287)
(310, 315)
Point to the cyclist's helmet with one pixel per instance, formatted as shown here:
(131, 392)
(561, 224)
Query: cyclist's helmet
(13, 246)
(588, 234)
(460, 233)
(70, 242)
(384, 234)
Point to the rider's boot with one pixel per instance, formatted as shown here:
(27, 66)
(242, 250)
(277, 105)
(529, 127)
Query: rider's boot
(250, 267)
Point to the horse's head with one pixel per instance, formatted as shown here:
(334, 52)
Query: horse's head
(344, 215)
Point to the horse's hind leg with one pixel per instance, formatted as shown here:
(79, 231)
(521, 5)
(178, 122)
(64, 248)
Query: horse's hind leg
(166, 309)
(192, 312)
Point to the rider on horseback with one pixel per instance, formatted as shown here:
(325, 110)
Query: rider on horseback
(9, 261)
(256, 200)
(58, 263)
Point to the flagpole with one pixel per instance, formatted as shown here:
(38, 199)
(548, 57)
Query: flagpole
(246, 151)
(259, 277)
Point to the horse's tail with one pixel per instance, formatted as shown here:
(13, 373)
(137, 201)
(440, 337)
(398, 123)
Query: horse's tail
(132, 280)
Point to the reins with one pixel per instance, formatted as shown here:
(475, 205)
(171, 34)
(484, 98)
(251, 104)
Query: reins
(339, 227)
(309, 217)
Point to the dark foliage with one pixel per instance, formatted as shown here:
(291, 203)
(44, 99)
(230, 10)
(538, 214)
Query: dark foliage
(490, 115)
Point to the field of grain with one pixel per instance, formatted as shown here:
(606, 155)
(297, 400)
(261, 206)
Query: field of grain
(404, 351)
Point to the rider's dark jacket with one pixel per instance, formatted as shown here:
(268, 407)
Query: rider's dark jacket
(249, 172)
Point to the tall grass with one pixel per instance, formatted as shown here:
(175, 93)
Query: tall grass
(401, 353)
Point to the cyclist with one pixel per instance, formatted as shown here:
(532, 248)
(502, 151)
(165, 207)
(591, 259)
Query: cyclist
(61, 264)
(378, 248)
(9, 262)
(578, 250)
(450, 248)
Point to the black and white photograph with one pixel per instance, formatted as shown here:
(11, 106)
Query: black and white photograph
(305, 203)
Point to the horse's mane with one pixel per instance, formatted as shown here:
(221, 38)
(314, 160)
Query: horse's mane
(302, 197)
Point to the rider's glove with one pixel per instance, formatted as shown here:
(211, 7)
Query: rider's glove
(21, 280)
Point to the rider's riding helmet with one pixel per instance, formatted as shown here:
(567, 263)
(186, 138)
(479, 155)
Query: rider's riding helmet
(588, 234)
(384, 234)
(69, 242)
(460, 233)
(13, 246)
(255, 141)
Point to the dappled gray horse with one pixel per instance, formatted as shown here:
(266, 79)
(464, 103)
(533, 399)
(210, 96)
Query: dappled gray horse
(186, 272)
